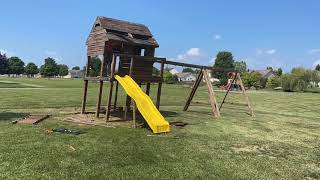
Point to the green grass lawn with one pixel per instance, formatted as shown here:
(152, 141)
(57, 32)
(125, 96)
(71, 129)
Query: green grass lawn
(282, 142)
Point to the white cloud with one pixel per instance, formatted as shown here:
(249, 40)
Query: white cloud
(271, 51)
(217, 36)
(266, 51)
(313, 51)
(191, 54)
(8, 53)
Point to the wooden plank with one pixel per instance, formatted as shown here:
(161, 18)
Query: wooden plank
(85, 90)
(148, 88)
(212, 97)
(160, 86)
(111, 88)
(99, 98)
(245, 95)
(32, 119)
(193, 91)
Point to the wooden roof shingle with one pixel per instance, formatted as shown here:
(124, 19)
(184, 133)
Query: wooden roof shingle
(124, 26)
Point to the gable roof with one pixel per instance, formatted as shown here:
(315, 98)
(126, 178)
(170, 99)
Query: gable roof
(184, 74)
(264, 73)
(124, 26)
(105, 29)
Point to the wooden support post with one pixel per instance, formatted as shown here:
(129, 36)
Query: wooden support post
(113, 63)
(99, 98)
(100, 86)
(160, 86)
(193, 91)
(245, 95)
(128, 99)
(116, 96)
(225, 96)
(212, 97)
(85, 90)
(148, 89)
(84, 100)
(134, 114)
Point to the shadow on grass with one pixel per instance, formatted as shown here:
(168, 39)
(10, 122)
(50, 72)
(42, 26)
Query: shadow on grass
(9, 116)
(169, 113)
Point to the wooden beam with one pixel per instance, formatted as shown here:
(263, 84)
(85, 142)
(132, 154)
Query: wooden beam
(84, 99)
(193, 91)
(85, 90)
(148, 88)
(134, 114)
(160, 86)
(128, 99)
(116, 96)
(212, 97)
(99, 99)
(245, 95)
(102, 67)
(111, 87)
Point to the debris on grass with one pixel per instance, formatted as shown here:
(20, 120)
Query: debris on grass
(31, 119)
(65, 131)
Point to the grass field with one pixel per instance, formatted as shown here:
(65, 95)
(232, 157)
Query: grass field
(282, 142)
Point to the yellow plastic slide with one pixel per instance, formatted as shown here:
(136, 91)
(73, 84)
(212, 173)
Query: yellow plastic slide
(145, 105)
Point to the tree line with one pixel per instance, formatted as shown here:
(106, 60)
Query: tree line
(15, 66)
(298, 79)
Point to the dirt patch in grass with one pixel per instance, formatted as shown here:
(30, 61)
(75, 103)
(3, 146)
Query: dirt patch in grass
(245, 148)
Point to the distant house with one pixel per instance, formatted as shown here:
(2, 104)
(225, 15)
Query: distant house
(186, 77)
(212, 79)
(74, 74)
(173, 71)
(266, 74)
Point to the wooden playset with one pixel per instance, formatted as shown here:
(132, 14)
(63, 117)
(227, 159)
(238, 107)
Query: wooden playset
(129, 49)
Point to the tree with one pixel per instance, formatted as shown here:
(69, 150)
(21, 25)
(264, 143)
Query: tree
(15, 66)
(76, 68)
(318, 67)
(155, 71)
(190, 70)
(50, 68)
(3, 64)
(63, 70)
(223, 60)
(240, 66)
(31, 69)
(279, 72)
(169, 78)
(269, 68)
(251, 79)
(95, 65)
(316, 77)
(274, 82)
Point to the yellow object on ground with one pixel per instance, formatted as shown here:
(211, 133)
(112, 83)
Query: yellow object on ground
(145, 105)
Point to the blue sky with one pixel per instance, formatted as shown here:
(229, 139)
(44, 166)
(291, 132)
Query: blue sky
(274, 33)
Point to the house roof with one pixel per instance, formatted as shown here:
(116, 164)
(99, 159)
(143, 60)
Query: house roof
(183, 75)
(264, 72)
(124, 31)
(124, 26)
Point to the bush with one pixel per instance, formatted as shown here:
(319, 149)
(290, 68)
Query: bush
(274, 82)
(292, 83)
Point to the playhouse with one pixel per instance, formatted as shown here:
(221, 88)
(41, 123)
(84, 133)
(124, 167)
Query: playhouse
(127, 53)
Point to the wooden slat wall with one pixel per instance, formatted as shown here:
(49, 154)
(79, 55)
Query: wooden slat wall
(96, 41)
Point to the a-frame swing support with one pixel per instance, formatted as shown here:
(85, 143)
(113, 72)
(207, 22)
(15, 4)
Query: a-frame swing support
(212, 98)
